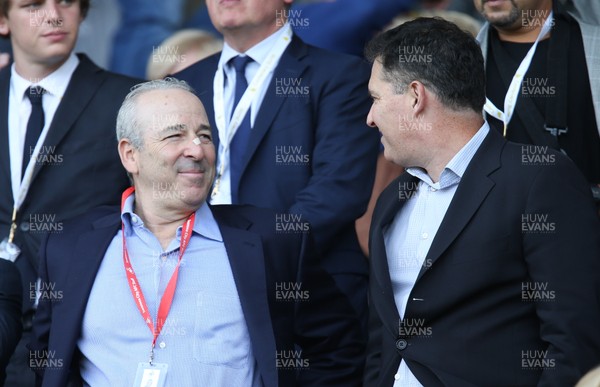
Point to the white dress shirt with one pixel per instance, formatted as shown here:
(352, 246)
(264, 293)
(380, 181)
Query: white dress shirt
(19, 109)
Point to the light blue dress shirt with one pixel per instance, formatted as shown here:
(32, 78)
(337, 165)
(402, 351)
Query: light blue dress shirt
(204, 341)
(410, 235)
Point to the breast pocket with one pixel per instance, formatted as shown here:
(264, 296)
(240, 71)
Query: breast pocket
(220, 334)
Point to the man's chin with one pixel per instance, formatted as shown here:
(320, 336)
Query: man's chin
(503, 19)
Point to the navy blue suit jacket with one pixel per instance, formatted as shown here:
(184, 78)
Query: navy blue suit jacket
(328, 124)
(508, 294)
(83, 170)
(260, 258)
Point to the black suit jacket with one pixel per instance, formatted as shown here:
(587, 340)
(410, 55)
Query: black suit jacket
(324, 124)
(10, 312)
(512, 270)
(260, 258)
(85, 170)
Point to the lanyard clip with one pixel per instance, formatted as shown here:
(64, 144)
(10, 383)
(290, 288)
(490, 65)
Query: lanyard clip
(151, 355)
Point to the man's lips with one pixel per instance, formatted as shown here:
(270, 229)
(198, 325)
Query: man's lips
(55, 35)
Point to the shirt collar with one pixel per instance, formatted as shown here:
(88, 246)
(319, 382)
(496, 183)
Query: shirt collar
(258, 52)
(204, 225)
(54, 83)
(456, 167)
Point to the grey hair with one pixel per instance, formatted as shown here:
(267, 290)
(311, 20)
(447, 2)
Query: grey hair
(127, 122)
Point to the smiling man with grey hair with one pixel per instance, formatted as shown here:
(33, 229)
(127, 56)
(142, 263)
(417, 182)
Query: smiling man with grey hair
(171, 290)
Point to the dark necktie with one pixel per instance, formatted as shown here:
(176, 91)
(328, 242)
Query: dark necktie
(239, 143)
(34, 125)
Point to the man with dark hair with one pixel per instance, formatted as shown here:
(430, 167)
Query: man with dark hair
(484, 253)
(57, 146)
(198, 290)
(543, 76)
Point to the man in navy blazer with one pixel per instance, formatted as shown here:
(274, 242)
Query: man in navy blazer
(77, 167)
(276, 306)
(485, 254)
(308, 151)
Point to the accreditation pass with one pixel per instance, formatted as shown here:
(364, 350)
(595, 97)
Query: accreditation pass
(150, 375)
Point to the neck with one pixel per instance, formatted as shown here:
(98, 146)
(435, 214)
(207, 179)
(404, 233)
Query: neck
(456, 131)
(36, 71)
(520, 35)
(162, 220)
(242, 40)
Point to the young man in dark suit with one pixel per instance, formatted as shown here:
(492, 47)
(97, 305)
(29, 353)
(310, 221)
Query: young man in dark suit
(484, 253)
(57, 147)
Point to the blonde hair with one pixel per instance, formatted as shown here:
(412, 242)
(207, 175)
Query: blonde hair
(175, 49)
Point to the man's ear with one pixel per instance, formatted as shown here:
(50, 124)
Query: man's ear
(4, 29)
(128, 155)
(417, 91)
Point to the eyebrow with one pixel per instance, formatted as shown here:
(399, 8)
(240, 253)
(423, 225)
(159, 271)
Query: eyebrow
(173, 128)
(205, 127)
(182, 127)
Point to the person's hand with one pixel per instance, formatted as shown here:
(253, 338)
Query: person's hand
(4, 60)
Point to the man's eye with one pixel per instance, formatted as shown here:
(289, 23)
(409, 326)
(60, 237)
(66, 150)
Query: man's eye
(32, 4)
(205, 138)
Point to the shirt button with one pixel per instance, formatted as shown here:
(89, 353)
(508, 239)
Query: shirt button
(24, 226)
(397, 377)
(401, 344)
(432, 189)
(162, 345)
(424, 235)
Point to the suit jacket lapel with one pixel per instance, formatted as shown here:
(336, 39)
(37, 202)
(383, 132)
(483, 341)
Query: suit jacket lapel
(4, 149)
(471, 192)
(484, 41)
(86, 79)
(247, 261)
(591, 43)
(392, 200)
(289, 66)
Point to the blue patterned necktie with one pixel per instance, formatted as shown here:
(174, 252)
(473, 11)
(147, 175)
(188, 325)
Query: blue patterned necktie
(239, 143)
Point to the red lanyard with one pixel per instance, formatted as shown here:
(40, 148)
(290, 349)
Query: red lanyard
(136, 290)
